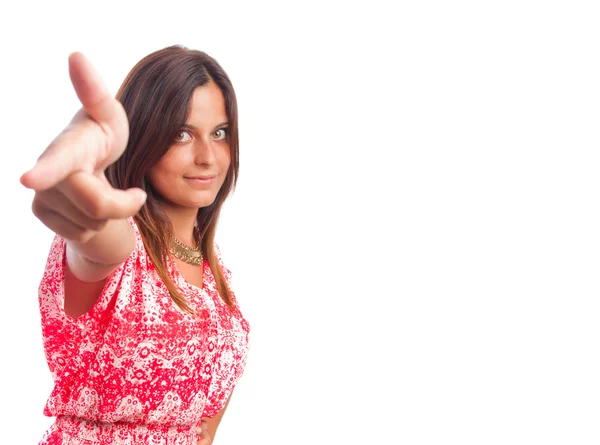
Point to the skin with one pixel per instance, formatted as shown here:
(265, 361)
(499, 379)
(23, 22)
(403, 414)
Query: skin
(74, 199)
(209, 425)
(201, 150)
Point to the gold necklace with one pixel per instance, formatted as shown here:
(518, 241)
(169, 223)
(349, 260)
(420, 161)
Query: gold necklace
(185, 253)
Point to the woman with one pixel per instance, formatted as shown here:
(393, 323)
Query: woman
(142, 333)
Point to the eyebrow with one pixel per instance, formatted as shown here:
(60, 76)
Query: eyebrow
(191, 127)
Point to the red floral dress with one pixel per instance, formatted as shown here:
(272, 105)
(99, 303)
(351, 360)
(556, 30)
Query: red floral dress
(135, 369)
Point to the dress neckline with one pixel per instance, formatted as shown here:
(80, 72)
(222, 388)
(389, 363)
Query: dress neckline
(182, 279)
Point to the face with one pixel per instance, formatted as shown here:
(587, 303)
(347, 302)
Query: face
(192, 172)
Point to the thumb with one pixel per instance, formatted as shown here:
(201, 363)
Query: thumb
(89, 86)
(98, 103)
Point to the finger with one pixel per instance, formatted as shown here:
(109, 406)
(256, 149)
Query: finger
(98, 201)
(78, 147)
(97, 100)
(202, 428)
(204, 438)
(97, 134)
(60, 225)
(59, 203)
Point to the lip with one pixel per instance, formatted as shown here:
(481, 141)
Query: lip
(200, 179)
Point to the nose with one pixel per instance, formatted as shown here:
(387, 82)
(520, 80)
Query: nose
(205, 152)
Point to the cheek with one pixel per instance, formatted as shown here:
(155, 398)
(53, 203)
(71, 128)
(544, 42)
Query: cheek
(225, 159)
(161, 175)
(155, 174)
(170, 166)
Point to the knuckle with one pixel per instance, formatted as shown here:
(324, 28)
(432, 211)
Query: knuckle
(69, 183)
(35, 208)
(102, 135)
(98, 208)
(38, 208)
(105, 149)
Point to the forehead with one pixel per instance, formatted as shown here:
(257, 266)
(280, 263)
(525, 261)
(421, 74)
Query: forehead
(207, 106)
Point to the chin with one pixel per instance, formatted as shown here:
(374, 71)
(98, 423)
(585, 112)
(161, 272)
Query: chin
(187, 200)
(203, 202)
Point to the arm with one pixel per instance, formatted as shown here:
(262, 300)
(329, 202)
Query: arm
(210, 425)
(74, 199)
(99, 257)
(89, 265)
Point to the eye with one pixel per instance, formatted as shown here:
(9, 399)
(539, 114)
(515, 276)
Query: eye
(181, 136)
(220, 134)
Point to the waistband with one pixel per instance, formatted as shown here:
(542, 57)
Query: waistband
(78, 431)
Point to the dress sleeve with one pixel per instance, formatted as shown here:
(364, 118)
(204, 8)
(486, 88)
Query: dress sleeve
(228, 278)
(226, 271)
(61, 333)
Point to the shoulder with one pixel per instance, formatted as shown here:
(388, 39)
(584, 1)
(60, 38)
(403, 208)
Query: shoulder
(134, 226)
(139, 248)
(218, 253)
(224, 268)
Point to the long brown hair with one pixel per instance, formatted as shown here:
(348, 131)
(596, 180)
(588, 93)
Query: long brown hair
(156, 95)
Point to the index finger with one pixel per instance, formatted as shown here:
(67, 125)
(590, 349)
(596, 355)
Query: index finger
(75, 148)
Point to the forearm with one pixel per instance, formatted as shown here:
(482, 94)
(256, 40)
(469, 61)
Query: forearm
(98, 257)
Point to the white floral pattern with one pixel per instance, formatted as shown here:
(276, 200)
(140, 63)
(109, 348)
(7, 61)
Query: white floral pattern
(136, 369)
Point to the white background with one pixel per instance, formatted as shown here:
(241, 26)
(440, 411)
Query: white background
(415, 234)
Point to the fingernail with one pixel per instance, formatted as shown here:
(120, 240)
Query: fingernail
(143, 197)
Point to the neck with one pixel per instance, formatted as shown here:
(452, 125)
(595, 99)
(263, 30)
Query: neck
(183, 220)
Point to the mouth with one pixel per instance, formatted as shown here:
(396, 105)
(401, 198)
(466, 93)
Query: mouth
(200, 179)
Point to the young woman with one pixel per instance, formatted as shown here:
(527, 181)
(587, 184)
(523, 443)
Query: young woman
(142, 332)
